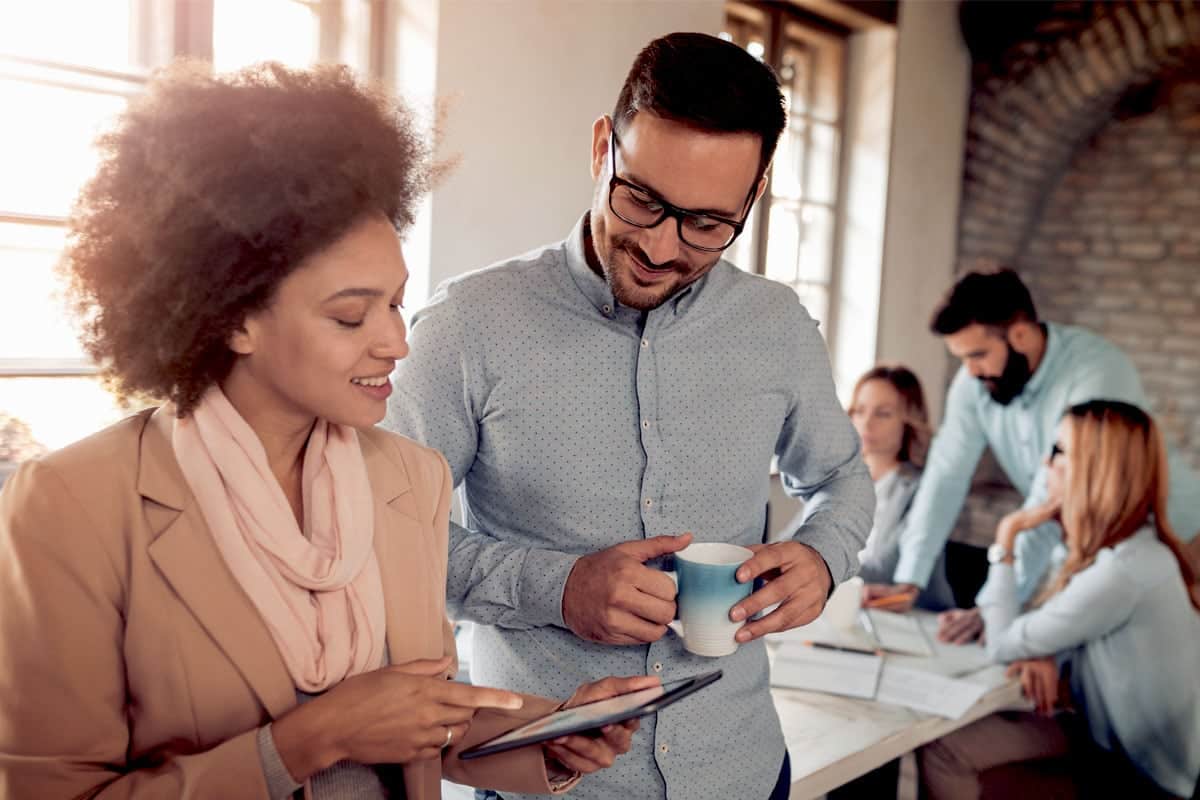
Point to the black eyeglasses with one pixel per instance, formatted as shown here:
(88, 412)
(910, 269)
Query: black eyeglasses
(644, 209)
(1056, 451)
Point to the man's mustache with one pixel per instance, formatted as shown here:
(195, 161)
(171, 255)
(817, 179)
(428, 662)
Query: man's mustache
(633, 251)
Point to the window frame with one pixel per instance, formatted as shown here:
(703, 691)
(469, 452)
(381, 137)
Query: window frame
(775, 24)
(159, 32)
(187, 25)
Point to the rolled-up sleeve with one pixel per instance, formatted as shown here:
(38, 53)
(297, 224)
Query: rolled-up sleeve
(953, 456)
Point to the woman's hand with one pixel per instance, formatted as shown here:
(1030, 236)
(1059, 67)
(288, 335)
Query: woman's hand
(1039, 682)
(396, 714)
(898, 597)
(1017, 522)
(959, 625)
(586, 754)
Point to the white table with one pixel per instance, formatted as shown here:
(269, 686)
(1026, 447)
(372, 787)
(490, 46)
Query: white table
(832, 740)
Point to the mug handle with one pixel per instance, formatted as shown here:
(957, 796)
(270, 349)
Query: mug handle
(674, 576)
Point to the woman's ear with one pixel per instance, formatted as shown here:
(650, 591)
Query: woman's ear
(241, 339)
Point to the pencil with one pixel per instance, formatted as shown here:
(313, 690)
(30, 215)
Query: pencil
(889, 600)
(824, 646)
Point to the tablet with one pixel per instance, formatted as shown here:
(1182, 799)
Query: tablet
(593, 716)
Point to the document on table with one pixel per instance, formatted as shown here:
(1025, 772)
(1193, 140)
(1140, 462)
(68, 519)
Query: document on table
(948, 659)
(897, 633)
(801, 666)
(924, 691)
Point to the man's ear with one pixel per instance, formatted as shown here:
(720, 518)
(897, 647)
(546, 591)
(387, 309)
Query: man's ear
(600, 131)
(1022, 335)
(762, 183)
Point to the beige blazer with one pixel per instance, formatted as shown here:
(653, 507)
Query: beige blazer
(133, 665)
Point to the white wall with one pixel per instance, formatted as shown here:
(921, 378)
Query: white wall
(870, 82)
(524, 79)
(928, 140)
(413, 29)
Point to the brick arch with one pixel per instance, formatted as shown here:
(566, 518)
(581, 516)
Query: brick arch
(1025, 126)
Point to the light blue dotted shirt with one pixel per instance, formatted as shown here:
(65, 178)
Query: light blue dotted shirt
(1078, 366)
(574, 424)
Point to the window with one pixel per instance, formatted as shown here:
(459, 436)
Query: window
(67, 69)
(795, 226)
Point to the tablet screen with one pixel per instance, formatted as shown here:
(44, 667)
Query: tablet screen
(594, 715)
(568, 718)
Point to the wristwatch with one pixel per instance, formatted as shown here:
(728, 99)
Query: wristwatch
(997, 553)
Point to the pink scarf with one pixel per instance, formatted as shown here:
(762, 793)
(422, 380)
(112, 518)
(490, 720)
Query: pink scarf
(319, 591)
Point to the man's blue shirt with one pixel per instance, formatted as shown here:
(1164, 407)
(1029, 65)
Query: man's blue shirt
(574, 424)
(1077, 366)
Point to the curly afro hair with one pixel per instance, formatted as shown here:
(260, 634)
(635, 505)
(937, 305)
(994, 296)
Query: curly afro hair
(210, 191)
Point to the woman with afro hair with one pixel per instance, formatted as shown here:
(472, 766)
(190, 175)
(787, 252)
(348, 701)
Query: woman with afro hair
(241, 593)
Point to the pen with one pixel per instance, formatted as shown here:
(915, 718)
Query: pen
(824, 646)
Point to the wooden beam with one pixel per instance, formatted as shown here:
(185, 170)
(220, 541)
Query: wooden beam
(854, 14)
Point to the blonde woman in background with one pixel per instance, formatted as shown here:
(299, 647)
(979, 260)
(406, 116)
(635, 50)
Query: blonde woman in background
(1120, 622)
(887, 409)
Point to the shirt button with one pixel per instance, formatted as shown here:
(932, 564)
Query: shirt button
(607, 309)
(658, 666)
(664, 748)
(645, 423)
(647, 502)
(645, 342)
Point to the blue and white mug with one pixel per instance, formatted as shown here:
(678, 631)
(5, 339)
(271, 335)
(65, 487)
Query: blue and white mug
(704, 573)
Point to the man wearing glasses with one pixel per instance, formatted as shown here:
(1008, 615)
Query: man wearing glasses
(610, 398)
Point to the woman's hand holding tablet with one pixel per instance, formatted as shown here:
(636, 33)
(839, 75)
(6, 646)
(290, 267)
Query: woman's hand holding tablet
(592, 716)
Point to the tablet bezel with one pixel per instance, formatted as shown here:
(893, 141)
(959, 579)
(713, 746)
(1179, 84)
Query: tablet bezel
(686, 687)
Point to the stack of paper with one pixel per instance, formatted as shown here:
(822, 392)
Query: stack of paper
(916, 671)
(896, 633)
(927, 692)
(801, 666)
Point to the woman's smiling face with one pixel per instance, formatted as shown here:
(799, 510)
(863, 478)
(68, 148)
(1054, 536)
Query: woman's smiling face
(332, 333)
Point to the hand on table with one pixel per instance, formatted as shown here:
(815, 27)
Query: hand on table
(586, 754)
(796, 578)
(960, 625)
(1039, 682)
(898, 597)
(612, 597)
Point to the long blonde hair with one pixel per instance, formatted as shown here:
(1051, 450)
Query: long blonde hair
(1118, 481)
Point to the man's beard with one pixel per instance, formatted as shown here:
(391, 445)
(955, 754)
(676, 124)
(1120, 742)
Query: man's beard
(620, 280)
(1009, 384)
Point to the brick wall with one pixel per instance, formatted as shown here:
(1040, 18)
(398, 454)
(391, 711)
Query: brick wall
(1117, 250)
(1082, 171)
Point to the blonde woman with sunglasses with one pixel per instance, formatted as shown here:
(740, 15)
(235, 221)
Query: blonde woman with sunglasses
(1118, 627)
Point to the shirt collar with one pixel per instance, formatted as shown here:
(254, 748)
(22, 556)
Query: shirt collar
(596, 289)
(1053, 347)
(591, 285)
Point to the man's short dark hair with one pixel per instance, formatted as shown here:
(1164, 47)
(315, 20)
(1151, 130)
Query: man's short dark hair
(706, 83)
(996, 299)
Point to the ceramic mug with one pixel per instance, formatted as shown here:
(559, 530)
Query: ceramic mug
(704, 573)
